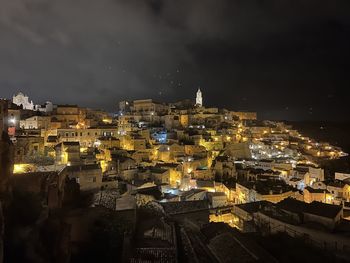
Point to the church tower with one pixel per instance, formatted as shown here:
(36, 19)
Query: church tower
(199, 99)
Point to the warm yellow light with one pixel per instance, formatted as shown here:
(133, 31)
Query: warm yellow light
(104, 165)
(83, 149)
(80, 125)
(20, 168)
(241, 197)
(107, 121)
(64, 158)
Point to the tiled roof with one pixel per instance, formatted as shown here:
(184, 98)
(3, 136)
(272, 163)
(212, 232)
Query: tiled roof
(254, 206)
(315, 191)
(324, 210)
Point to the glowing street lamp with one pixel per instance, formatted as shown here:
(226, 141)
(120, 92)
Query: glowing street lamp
(12, 121)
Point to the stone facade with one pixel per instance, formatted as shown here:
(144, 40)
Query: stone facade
(22, 100)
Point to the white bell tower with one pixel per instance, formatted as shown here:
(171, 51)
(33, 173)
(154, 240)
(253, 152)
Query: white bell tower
(199, 99)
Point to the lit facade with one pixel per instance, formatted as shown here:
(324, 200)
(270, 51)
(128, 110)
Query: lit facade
(199, 98)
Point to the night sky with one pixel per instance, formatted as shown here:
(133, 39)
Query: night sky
(286, 59)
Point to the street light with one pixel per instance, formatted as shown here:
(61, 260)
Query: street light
(12, 120)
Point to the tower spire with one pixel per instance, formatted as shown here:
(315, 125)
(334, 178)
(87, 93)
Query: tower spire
(199, 98)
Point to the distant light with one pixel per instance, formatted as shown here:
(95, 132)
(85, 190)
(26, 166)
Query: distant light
(21, 168)
(12, 120)
(107, 121)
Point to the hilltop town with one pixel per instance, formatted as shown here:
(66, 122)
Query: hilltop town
(187, 180)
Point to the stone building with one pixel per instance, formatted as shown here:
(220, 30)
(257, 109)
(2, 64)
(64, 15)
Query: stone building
(86, 137)
(67, 153)
(67, 114)
(319, 195)
(36, 122)
(89, 177)
(47, 107)
(22, 100)
(28, 147)
(149, 106)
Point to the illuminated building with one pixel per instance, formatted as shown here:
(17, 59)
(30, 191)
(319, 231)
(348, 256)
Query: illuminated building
(319, 195)
(36, 122)
(217, 199)
(267, 190)
(86, 137)
(69, 115)
(199, 98)
(149, 107)
(22, 100)
(242, 115)
(47, 107)
(89, 177)
(68, 153)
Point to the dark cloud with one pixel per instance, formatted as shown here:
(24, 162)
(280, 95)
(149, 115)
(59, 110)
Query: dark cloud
(277, 57)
